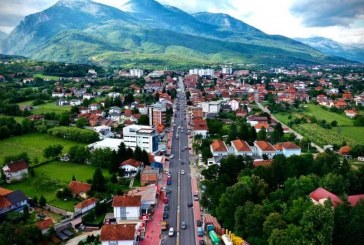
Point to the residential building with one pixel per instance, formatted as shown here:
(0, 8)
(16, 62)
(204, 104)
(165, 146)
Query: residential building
(127, 207)
(149, 176)
(288, 149)
(15, 170)
(131, 167)
(241, 148)
(79, 188)
(148, 196)
(320, 196)
(202, 72)
(227, 70)
(45, 225)
(12, 201)
(157, 114)
(234, 104)
(200, 128)
(112, 144)
(119, 234)
(211, 107)
(85, 205)
(136, 73)
(143, 136)
(75, 102)
(264, 148)
(218, 148)
(254, 120)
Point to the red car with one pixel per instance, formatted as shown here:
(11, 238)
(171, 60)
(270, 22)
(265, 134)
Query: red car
(166, 201)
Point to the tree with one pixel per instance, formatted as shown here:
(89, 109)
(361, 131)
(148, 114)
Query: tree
(52, 151)
(79, 154)
(293, 235)
(42, 201)
(138, 153)
(318, 224)
(143, 120)
(262, 134)
(273, 221)
(73, 178)
(334, 183)
(277, 134)
(98, 181)
(102, 158)
(4, 132)
(81, 122)
(26, 214)
(27, 126)
(64, 119)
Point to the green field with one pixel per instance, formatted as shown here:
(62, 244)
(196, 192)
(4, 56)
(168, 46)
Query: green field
(33, 144)
(355, 133)
(52, 176)
(46, 108)
(322, 114)
(53, 78)
(17, 119)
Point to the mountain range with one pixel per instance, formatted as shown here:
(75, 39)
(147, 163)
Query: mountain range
(2, 35)
(145, 33)
(333, 48)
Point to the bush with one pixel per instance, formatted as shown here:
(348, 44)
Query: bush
(75, 134)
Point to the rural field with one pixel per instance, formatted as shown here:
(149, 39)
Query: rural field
(53, 78)
(336, 135)
(46, 108)
(33, 144)
(52, 176)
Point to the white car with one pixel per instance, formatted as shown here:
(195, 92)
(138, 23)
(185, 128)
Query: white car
(171, 231)
(171, 156)
(182, 171)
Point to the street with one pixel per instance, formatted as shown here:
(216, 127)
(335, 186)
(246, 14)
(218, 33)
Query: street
(181, 183)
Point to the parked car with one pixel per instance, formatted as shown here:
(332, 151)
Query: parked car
(189, 204)
(198, 223)
(166, 207)
(182, 171)
(201, 242)
(165, 215)
(171, 232)
(183, 225)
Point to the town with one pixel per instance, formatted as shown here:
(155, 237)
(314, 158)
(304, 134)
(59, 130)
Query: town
(232, 154)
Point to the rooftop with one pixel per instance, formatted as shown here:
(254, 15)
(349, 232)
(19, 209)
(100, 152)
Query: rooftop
(241, 146)
(117, 232)
(126, 201)
(218, 145)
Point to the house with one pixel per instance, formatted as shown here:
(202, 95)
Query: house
(345, 150)
(200, 127)
(262, 125)
(118, 234)
(62, 102)
(85, 205)
(149, 176)
(254, 120)
(127, 207)
(94, 107)
(15, 170)
(45, 225)
(320, 196)
(241, 148)
(79, 188)
(264, 148)
(288, 149)
(131, 167)
(75, 102)
(261, 162)
(12, 201)
(234, 104)
(87, 96)
(350, 113)
(354, 199)
(149, 195)
(218, 148)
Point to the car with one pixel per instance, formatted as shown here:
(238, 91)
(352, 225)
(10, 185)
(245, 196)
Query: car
(201, 242)
(168, 190)
(166, 207)
(165, 215)
(182, 171)
(182, 163)
(189, 204)
(171, 232)
(198, 223)
(171, 156)
(166, 201)
(183, 225)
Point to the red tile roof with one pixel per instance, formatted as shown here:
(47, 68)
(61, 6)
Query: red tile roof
(345, 150)
(218, 145)
(79, 187)
(320, 193)
(132, 162)
(286, 145)
(86, 203)
(353, 200)
(17, 166)
(262, 125)
(241, 145)
(4, 202)
(264, 146)
(118, 232)
(126, 201)
(4, 192)
(263, 163)
(45, 224)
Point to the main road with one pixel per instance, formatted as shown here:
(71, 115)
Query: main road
(181, 192)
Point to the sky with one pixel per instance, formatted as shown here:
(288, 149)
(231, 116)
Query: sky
(340, 20)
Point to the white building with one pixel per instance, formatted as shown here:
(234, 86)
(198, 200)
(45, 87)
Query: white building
(218, 148)
(264, 148)
(127, 207)
(143, 136)
(227, 70)
(85, 205)
(241, 148)
(234, 105)
(211, 107)
(15, 170)
(288, 149)
(112, 144)
(136, 73)
(202, 72)
(75, 102)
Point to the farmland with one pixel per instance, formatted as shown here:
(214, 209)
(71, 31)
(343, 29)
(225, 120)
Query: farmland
(33, 144)
(46, 108)
(51, 177)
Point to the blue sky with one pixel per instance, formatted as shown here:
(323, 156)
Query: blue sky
(341, 20)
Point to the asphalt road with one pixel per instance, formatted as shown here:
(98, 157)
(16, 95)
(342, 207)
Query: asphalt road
(181, 183)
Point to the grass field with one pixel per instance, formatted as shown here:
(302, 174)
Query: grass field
(17, 119)
(322, 114)
(52, 176)
(53, 78)
(355, 133)
(33, 144)
(46, 108)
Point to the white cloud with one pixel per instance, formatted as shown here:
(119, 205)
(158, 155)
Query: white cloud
(281, 17)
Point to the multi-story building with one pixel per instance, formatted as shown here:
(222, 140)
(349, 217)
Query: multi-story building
(157, 115)
(143, 136)
(211, 107)
(202, 72)
(136, 73)
(227, 70)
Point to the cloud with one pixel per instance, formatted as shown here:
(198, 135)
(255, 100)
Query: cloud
(325, 13)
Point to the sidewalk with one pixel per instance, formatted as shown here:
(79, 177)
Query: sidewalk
(196, 208)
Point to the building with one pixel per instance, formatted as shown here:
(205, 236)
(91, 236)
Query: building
(241, 148)
(136, 73)
(112, 144)
(254, 120)
(149, 176)
(119, 234)
(211, 107)
(202, 72)
(15, 170)
(143, 136)
(127, 207)
(234, 104)
(288, 149)
(157, 114)
(321, 195)
(264, 148)
(131, 167)
(227, 70)
(85, 205)
(200, 128)
(45, 225)
(218, 148)
(79, 188)
(12, 201)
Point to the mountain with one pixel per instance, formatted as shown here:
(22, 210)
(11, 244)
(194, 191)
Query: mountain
(330, 47)
(149, 34)
(2, 35)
